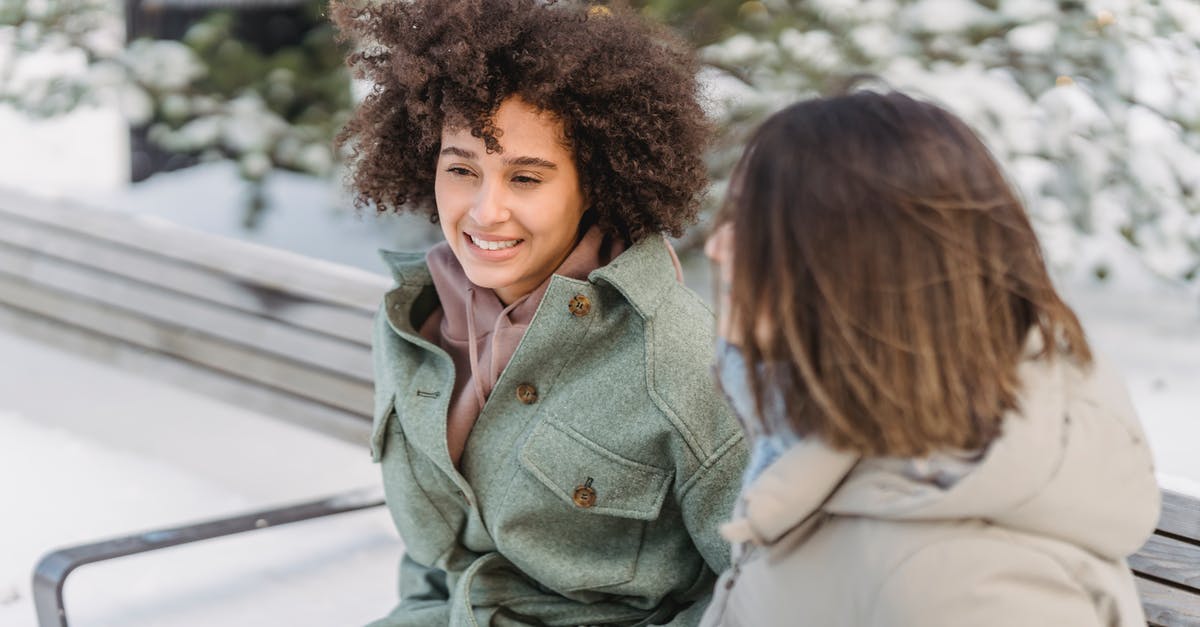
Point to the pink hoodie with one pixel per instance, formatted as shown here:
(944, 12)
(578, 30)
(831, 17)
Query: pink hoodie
(471, 312)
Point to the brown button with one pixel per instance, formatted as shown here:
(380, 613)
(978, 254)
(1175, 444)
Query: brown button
(580, 305)
(585, 495)
(527, 394)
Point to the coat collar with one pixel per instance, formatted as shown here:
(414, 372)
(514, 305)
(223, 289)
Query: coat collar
(789, 493)
(641, 274)
(812, 477)
(1070, 463)
(408, 268)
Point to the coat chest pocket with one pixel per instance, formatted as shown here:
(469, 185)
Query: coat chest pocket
(576, 512)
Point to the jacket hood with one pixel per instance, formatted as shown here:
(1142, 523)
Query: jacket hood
(1071, 463)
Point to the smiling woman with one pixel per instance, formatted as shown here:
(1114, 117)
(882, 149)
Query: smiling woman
(552, 448)
(511, 217)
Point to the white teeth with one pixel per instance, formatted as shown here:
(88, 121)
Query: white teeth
(486, 245)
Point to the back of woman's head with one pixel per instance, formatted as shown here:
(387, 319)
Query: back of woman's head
(886, 275)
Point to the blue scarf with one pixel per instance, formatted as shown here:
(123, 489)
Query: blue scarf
(765, 446)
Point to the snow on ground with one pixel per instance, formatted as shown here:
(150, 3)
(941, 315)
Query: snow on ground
(88, 452)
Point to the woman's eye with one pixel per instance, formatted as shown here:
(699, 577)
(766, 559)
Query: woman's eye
(459, 171)
(521, 179)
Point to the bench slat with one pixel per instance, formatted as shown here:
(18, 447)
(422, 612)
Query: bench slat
(83, 286)
(273, 331)
(350, 427)
(251, 263)
(353, 396)
(1169, 559)
(175, 276)
(1180, 515)
(1168, 606)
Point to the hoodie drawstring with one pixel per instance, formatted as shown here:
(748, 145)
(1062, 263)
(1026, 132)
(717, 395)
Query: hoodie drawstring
(473, 344)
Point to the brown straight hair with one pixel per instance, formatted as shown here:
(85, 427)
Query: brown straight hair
(886, 276)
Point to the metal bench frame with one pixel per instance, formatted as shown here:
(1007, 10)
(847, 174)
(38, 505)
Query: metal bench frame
(51, 573)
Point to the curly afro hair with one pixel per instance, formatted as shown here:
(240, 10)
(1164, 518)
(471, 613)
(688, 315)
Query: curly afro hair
(625, 91)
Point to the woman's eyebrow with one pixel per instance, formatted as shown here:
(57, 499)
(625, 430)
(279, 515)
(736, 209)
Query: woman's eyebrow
(531, 162)
(459, 152)
(524, 162)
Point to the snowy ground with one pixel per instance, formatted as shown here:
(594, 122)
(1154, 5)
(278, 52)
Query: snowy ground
(88, 452)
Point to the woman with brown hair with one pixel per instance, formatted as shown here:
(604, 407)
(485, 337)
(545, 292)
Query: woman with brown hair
(934, 443)
(552, 450)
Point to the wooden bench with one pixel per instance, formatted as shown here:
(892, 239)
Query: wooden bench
(1168, 566)
(287, 336)
(278, 333)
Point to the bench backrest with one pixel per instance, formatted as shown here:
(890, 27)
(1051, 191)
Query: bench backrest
(273, 331)
(1168, 566)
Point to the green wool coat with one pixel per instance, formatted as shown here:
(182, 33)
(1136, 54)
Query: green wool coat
(623, 403)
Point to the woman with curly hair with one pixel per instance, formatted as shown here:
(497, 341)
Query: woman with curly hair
(552, 449)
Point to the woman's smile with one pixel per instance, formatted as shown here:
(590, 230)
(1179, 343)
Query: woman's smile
(492, 248)
(492, 243)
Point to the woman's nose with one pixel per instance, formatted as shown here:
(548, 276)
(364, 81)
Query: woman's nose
(716, 247)
(490, 206)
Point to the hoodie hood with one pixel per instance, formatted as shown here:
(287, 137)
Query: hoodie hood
(1071, 463)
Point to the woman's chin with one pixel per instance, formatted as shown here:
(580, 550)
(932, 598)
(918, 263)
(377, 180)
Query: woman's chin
(490, 278)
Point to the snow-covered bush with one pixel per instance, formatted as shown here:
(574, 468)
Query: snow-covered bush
(55, 53)
(1093, 105)
(209, 94)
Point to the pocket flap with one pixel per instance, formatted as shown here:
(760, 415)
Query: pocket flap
(564, 460)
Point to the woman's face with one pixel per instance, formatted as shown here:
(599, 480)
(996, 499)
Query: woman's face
(719, 250)
(511, 217)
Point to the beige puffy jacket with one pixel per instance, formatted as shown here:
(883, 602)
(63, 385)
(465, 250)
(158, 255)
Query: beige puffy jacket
(1035, 534)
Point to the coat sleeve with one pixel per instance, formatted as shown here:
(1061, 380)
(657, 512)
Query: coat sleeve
(707, 503)
(983, 583)
(424, 598)
(708, 498)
